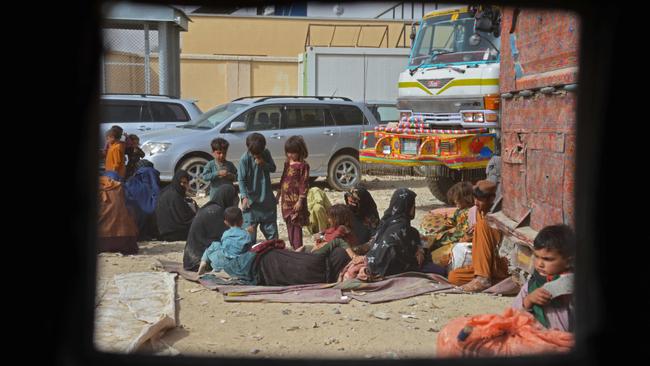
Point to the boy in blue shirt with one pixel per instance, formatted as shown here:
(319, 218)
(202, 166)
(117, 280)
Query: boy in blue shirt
(231, 254)
(258, 201)
(219, 171)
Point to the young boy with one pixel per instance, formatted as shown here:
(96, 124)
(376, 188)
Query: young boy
(219, 171)
(115, 152)
(231, 252)
(258, 201)
(547, 294)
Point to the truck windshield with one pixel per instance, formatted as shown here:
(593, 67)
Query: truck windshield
(447, 41)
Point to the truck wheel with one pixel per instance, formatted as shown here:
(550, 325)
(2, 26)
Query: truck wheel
(439, 187)
(344, 172)
(194, 167)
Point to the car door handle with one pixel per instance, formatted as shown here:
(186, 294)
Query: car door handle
(144, 128)
(276, 136)
(329, 133)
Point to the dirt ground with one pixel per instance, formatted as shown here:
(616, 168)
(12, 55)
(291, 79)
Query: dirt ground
(208, 326)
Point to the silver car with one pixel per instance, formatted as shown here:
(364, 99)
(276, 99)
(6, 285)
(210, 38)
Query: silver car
(331, 127)
(140, 113)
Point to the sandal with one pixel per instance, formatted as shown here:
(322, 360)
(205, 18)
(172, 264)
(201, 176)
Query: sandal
(478, 284)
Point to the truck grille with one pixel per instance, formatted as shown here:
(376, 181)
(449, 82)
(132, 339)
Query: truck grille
(441, 118)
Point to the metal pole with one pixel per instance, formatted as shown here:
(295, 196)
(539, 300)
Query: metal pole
(163, 56)
(147, 60)
(412, 9)
(103, 75)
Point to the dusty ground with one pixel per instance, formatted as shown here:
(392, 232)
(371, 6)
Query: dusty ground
(209, 326)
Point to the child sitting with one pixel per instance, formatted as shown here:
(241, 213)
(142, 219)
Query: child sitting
(339, 234)
(231, 254)
(219, 171)
(133, 152)
(457, 228)
(547, 294)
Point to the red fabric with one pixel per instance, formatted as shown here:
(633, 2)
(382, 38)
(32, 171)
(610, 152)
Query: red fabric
(514, 333)
(267, 245)
(356, 268)
(340, 232)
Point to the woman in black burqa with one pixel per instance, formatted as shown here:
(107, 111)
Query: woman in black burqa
(366, 218)
(397, 247)
(175, 211)
(208, 226)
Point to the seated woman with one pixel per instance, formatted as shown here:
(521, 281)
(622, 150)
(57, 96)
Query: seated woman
(175, 211)
(457, 228)
(487, 267)
(365, 218)
(396, 247)
(317, 205)
(142, 191)
(208, 225)
(116, 228)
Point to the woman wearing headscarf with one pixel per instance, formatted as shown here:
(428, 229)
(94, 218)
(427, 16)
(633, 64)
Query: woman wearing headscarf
(365, 218)
(116, 228)
(175, 211)
(142, 191)
(208, 225)
(397, 247)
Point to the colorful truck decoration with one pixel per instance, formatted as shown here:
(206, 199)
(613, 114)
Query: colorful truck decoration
(448, 102)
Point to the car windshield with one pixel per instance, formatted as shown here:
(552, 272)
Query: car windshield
(446, 41)
(214, 116)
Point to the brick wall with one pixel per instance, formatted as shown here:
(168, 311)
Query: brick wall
(538, 132)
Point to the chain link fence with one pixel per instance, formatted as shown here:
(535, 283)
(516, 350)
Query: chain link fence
(130, 63)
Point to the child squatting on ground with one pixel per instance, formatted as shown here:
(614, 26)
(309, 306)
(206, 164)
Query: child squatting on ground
(548, 293)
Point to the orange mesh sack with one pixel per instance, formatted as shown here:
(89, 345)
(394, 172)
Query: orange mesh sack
(514, 333)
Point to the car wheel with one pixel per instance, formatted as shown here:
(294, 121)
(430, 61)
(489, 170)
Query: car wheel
(194, 167)
(344, 172)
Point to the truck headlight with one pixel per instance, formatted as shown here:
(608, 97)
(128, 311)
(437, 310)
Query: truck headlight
(153, 148)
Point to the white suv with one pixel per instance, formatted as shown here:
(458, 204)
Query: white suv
(141, 113)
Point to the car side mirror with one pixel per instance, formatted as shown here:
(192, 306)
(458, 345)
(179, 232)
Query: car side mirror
(237, 127)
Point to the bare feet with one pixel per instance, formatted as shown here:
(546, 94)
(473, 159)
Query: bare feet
(300, 249)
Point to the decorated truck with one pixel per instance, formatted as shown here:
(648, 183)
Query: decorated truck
(448, 100)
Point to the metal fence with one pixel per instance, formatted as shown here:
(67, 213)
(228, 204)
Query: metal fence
(130, 61)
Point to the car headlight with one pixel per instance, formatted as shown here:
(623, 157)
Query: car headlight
(153, 148)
